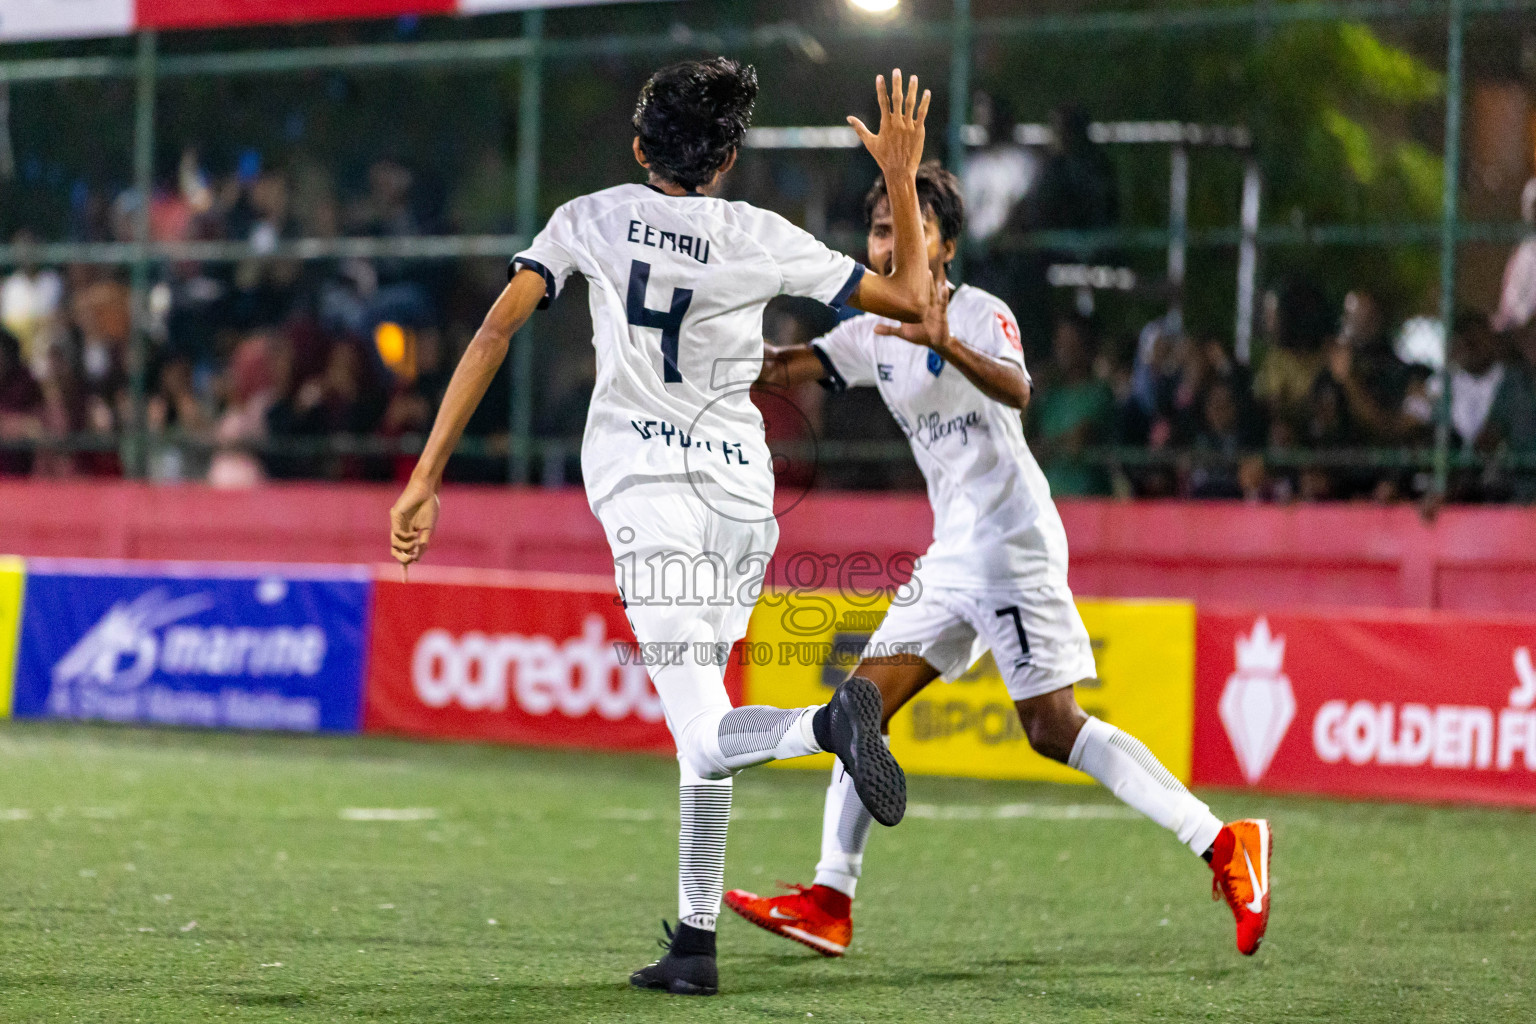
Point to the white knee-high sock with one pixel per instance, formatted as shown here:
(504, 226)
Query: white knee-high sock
(758, 733)
(844, 834)
(1129, 770)
(718, 740)
(704, 806)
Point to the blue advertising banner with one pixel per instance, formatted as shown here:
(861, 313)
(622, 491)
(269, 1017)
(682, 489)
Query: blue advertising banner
(230, 647)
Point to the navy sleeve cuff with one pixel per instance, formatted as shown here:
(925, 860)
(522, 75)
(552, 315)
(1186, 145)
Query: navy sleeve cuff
(833, 381)
(549, 279)
(844, 293)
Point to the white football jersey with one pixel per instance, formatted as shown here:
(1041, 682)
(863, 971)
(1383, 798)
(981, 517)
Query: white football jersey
(994, 523)
(677, 286)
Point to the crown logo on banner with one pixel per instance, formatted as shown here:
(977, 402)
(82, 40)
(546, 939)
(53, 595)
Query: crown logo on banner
(1257, 705)
(1261, 653)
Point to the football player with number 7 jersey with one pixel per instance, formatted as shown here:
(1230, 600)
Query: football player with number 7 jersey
(674, 459)
(994, 578)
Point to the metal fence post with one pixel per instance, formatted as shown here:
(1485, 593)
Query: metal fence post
(1449, 217)
(959, 105)
(1247, 262)
(529, 127)
(135, 444)
(1178, 227)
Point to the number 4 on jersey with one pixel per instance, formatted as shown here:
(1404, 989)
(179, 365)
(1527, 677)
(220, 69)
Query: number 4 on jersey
(670, 322)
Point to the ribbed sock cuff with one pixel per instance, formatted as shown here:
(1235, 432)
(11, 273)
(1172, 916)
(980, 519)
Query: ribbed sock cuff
(691, 941)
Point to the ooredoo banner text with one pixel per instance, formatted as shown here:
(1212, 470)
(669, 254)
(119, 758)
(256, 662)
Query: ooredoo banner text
(511, 664)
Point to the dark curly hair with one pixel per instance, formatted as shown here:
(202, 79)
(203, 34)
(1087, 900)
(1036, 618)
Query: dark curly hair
(692, 116)
(938, 192)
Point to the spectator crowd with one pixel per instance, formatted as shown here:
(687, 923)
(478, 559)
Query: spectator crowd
(255, 367)
(1331, 403)
(251, 365)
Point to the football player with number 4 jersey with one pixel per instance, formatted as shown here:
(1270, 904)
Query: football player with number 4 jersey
(674, 460)
(994, 578)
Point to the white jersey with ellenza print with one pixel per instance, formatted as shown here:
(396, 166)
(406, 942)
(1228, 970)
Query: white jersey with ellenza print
(677, 286)
(994, 523)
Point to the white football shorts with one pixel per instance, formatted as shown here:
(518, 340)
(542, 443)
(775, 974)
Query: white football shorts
(688, 558)
(1035, 634)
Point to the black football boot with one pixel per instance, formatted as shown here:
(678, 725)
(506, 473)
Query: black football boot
(688, 969)
(849, 726)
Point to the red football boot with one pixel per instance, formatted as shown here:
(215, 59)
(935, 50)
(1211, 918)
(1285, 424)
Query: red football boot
(1240, 859)
(815, 916)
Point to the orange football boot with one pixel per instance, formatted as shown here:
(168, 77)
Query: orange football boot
(1240, 859)
(814, 915)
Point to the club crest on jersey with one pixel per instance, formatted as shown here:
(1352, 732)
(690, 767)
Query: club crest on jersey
(935, 363)
(1010, 332)
(885, 370)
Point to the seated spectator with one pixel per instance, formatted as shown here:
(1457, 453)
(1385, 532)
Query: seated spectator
(101, 315)
(1517, 298)
(1153, 384)
(418, 390)
(1511, 424)
(343, 398)
(1369, 377)
(21, 406)
(174, 407)
(338, 400)
(250, 387)
(1297, 322)
(1217, 434)
(1476, 373)
(1073, 410)
(1226, 440)
(30, 302)
(70, 410)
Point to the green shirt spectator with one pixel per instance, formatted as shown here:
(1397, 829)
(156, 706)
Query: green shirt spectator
(1074, 410)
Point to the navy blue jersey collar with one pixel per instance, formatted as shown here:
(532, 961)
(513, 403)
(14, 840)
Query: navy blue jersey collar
(691, 192)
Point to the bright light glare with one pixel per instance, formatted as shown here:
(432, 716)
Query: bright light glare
(874, 6)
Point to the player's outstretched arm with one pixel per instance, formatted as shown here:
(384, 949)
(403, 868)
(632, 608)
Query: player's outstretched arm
(790, 366)
(998, 379)
(898, 149)
(414, 515)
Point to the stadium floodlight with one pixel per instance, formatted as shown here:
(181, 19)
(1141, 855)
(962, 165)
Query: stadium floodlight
(874, 6)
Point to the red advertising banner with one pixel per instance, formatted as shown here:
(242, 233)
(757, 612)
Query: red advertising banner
(174, 14)
(1398, 705)
(70, 19)
(533, 662)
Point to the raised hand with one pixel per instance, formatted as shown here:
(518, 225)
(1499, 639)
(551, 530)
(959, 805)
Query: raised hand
(411, 522)
(898, 148)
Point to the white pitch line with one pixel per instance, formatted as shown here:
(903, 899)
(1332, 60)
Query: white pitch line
(14, 814)
(932, 812)
(388, 814)
(1005, 812)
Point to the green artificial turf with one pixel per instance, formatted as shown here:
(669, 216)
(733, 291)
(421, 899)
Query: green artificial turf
(165, 876)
